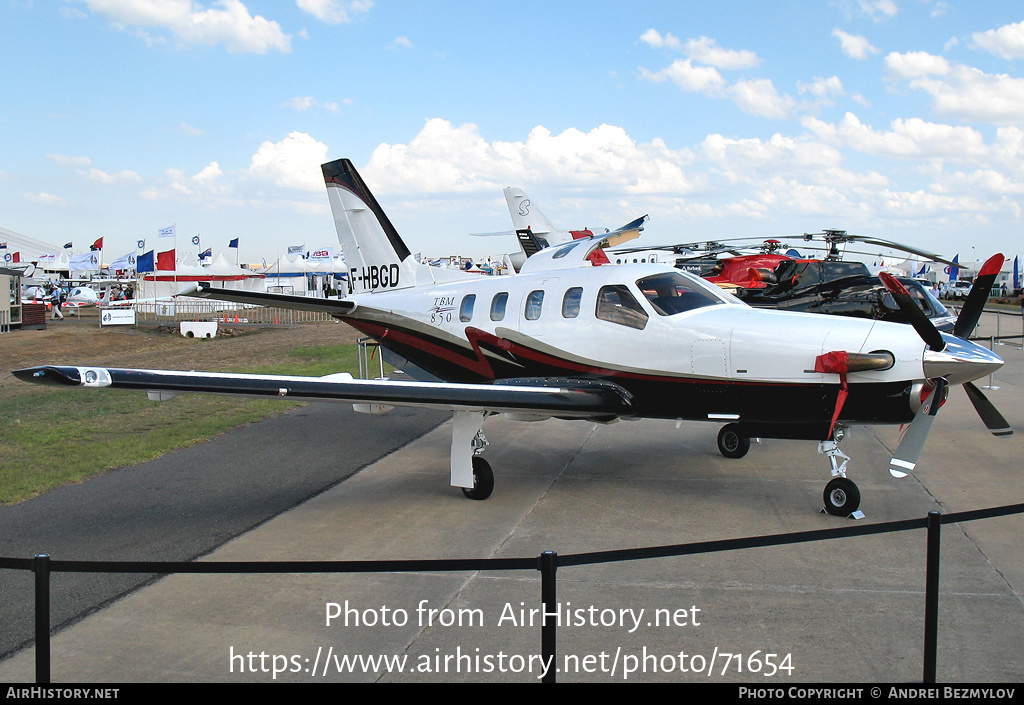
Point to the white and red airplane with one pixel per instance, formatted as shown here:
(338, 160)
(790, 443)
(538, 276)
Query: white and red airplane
(565, 339)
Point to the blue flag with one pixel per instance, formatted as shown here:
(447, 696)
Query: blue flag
(234, 243)
(145, 263)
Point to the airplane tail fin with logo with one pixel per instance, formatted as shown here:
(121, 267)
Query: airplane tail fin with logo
(527, 216)
(377, 258)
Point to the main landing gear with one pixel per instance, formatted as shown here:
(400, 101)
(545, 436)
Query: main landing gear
(483, 480)
(732, 443)
(469, 471)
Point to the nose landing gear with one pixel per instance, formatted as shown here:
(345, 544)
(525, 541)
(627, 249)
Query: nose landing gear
(841, 495)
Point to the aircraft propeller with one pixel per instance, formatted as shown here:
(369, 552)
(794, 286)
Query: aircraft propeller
(945, 366)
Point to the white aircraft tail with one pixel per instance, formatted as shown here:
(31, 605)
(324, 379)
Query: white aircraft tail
(525, 215)
(377, 258)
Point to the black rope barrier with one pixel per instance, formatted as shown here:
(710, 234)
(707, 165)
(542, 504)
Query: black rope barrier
(43, 566)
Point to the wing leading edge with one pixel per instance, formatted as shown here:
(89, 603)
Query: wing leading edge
(561, 397)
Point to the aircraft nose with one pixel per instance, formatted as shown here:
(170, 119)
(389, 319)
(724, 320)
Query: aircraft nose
(960, 361)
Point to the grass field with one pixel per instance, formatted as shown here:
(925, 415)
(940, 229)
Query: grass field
(51, 436)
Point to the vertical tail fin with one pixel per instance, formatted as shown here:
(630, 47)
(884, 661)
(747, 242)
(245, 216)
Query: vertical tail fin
(377, 258)
(527, 216)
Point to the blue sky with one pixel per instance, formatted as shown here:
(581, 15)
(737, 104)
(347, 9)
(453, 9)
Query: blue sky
(899, 119)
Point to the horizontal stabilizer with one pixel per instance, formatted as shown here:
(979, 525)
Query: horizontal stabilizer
(338, 307)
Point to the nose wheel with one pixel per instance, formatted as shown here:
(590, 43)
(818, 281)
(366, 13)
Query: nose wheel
(841, 496)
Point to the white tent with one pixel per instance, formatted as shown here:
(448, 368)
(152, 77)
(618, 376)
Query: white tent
(165, 283)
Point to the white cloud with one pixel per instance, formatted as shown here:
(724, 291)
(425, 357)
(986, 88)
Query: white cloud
(308, 102)
(45, 199)
(690, 78)
(402, 42)
(1006, 41)
(822, 87)
(961, 91)
(334, 11)
(230, 23)
(192, 131)
(705, 51)
(444, 158)
(654, 38)
(292, 163)
(915, 64)
(65, 160)
(209, 173)
(759, 97)
(878, 10)
(854, 45)
(907, 138)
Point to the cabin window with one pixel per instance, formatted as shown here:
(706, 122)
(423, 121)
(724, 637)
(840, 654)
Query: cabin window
(617, 305)
(466, 310)
(498, 306)
(571, 302)
(672, 293)
(533, 305)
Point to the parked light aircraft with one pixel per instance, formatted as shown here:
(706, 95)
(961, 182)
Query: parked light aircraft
(535, 232)
(565, 339)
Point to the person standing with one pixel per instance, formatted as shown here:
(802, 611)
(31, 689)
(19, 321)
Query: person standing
(56, 300)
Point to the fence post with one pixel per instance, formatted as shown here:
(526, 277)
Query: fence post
(548, 567)
(931, 598)
(41, 568)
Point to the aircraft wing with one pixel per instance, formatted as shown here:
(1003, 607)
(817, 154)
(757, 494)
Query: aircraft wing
(203, 290)
(561, 397)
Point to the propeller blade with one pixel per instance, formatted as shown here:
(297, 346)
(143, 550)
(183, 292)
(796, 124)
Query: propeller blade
(917, 318)
(993, 420)
(970, 314)
(909, 450)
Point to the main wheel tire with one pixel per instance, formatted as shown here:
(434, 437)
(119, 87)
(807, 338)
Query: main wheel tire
(842, 497)
(483, 480)
(732, 443)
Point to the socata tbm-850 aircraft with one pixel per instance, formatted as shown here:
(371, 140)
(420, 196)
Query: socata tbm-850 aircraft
(569, 340)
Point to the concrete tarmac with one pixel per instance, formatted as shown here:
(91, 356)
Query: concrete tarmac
(845, 611)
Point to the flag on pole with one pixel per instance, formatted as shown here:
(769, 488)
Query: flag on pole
(144, 263)
(165, 261)
(67, 246)
(195, 240)
(234, 243)
(167, 232)
(16, 257)
(208, 252)
(954, 271)
(3, 245)
(296, 249)
(98, 245)
(1016, 272)
(140, 245)
(86, 262)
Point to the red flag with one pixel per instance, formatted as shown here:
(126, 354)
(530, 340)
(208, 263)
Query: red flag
(16, 257)
(165, 260)
(98, 245)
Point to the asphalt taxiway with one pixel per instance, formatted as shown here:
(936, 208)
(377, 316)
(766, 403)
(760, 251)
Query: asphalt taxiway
(844, 611)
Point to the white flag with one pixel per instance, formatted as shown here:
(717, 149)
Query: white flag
(324, 254)
(84, 262)
(296, 249)
(167, 232)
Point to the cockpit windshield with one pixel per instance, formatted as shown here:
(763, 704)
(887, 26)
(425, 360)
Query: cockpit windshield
(671, 293)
